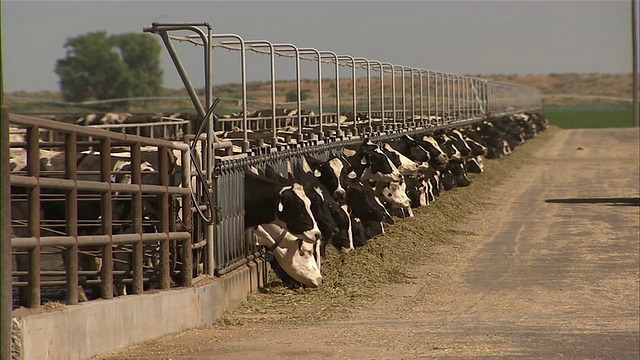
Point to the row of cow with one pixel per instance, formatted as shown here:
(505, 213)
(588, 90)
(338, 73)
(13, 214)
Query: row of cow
(346, 200)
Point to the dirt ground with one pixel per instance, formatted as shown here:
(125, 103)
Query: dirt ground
(549, 269)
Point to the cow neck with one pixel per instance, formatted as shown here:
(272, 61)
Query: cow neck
(278, 240)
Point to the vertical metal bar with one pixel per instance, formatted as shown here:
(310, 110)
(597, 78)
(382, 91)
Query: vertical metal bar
(354, 91)
(208, 158)
(5, 240)
(136, 206)
(71, 198)
(299, 99)
(404, 98)
(381, 90)
(354, 81)
(33, 199)
(393, 91)
(429, 96)
(421, 99)
(163, 173)
(413, 96)
(187, 263)
(243, 69)
(107, 218)
(274, 124)
(448, 96)
(339, 131)
(435, 77)
(318, 57)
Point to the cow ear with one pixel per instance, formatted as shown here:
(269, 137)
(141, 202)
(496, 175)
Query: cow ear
(317, 173)
(280, 207)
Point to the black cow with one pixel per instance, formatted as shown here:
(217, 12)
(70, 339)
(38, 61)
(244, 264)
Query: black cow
(325, 210)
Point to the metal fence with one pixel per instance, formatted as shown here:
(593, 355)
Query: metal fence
(41, 241)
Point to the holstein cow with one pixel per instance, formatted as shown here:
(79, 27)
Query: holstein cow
(267, 201)
(343, 239)
(325, 209)
(370, 163)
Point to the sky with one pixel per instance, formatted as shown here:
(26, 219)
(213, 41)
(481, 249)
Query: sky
(471, 37)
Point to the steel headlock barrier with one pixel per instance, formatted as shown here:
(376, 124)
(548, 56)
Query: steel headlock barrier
(375, 108)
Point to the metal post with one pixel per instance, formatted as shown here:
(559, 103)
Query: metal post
(257, 44)
(634, 61)
(245, 140)
(319, 59)
(366, 61)
(299, 101)
(404, 97)
(393, 94)
(354, 92)
(393, 91)
(337, 71)
(381, 88)
(5, 253)
(421, 71)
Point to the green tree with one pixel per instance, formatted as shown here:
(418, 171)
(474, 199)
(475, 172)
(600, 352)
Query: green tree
(98, 66)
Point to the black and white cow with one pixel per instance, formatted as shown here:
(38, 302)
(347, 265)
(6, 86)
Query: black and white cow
(267, 201)
(370, 163)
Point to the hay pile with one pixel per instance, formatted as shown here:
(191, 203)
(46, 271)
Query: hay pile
(353, 280)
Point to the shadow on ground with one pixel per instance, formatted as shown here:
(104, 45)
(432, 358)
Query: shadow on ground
(611, 201)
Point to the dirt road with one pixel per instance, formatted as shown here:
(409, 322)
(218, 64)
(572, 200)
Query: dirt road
(549, 270)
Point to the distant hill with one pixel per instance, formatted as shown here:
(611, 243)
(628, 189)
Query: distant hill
(568, 89)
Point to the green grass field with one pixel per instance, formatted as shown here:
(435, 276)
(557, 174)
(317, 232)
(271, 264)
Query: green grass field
(589, 117)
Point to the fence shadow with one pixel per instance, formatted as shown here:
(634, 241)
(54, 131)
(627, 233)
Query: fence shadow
(632, 201)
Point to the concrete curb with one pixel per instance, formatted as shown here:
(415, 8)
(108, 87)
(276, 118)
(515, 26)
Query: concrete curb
(102, 326)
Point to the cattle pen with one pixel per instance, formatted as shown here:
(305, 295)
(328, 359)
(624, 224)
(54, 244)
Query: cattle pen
(170, 216)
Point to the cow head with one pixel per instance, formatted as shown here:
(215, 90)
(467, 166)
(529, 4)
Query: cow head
(405, 165)
(364, 204)
(377, 166)
(294, 256)
(343, 240)
(334, 174)
(294, 212)
(393, 193)
(438, 157)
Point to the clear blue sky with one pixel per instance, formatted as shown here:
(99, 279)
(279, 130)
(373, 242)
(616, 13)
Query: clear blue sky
(475, 37)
